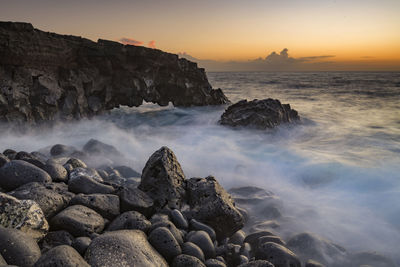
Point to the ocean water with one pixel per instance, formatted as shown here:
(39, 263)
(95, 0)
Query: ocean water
(337, 173)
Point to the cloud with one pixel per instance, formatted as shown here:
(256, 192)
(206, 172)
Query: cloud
(152, 44)
(281, 61)
(130, 41)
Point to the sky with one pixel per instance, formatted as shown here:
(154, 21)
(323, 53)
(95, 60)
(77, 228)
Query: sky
(234, 34)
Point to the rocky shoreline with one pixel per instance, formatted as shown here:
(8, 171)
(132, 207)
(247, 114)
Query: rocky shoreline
(59, 207)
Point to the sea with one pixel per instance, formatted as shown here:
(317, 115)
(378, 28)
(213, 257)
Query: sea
(336, 173)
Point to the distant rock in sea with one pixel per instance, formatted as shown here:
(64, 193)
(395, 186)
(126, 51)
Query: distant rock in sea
(261, 114)
(48, 76)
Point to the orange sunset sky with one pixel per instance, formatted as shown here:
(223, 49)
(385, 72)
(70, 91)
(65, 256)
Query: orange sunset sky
(318, 34)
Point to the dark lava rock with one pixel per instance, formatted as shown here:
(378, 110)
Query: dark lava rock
(203, 241)
(192, 249)
(274, 239)
(10, 154)
(178, 219)
(49, 200)
(24, 215)
(28, 157)
(252, 239)
(61, 256)
(117, 248)
(312, 263)
(257, 263)
(88, 172)
(278, 255)
(106, 205)
(56, 238)
(135, 199)
(163, 179)
(59, 149)
(96, 147)
(310, 246)
(3, 160)
(212, 205)
(196, 225)
(237, 238)
(130, 220)
(215, 263)
(81, 244)
(165, 243)
(171, 227)
(184, 260)
(127, 172)
(78, 220)
(75, 77)
(18, 248)
(18, 172)
(57, 172)
(87, 185)
(261, 114)
(76, 163)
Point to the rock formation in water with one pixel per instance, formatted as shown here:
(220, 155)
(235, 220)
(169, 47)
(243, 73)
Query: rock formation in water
(47, 76)
(261, 114)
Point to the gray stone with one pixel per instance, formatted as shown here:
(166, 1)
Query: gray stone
(76, 163)
(10, 153)
(18, 248)
(171, 227)
(278, 255)
(165, 243)
(212, 205)
(135, 199)
(130, 220)
(96, 147)
(178, 219)
(184, 260)
(196, 225)
(257, 263)
(81, 244)
(163, 179)
(117, 248)
(28, 157)
(87, 185)
(203, 241)
(56, 238)
(192, 249)
(262, 114)
(87, 172)
(252, 239)
(105, 204)
(237, 238)
(59, 150)
(61, 256)
(18, 172)
(78, 220)
(215, 263)
(24, 215)
(49, 200)
(57, 172)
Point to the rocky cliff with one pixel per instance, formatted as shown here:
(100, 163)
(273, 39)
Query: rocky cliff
(47, 76)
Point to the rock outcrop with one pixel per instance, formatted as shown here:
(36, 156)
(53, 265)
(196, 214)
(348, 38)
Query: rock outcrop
(47, 76)
(261, 114)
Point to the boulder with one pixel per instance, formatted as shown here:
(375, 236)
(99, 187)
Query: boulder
(75, 77)
(170, 226)
(133, 198)
(130, 220)
(87, 185)
(18, 248)
(24, 215)
(192, 249)
(60, 150)
(212, 205)
(49, 200)
(57, 172)
(187, 261)
(278, 255)
(28, 157)
(310, 246)
(18, 172)
(105, 204)
(165, 243)
(78, 220)
(123, 248)
(261, 114)
(203, 241)
(163, 179)
(61, 256)
(56, 238)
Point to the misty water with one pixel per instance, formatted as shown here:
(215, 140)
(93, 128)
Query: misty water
(337, 173)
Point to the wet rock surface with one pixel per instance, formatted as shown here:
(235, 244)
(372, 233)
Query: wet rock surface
(49, 76)
(197, 224)
(261, 114)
